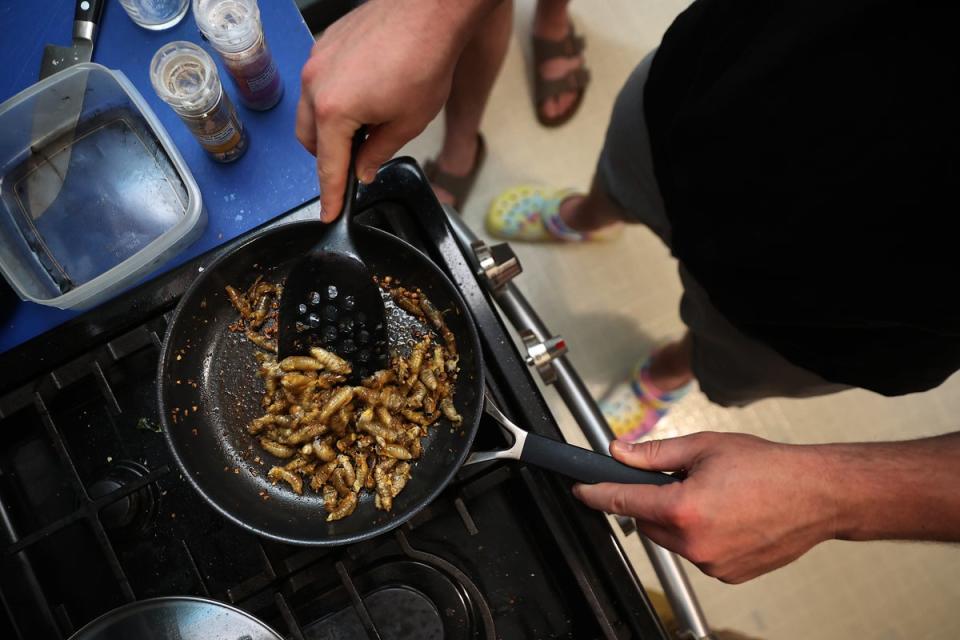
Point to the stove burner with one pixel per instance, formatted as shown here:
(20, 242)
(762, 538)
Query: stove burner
(133, 512)
(399, 613)
(402, 599)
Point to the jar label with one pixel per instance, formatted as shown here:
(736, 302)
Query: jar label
(263, 79)
(219, 133)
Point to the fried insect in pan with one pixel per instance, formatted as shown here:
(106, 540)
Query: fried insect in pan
(291, 478)
(262, 341)
(345, 507)
(276, 449)
(300, 363)
(330, 361)
(344, 441)
(239, 302)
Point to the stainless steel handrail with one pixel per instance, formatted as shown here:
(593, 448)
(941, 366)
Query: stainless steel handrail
(676, 586)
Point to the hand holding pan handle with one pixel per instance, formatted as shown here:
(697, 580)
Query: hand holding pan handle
(574, 462)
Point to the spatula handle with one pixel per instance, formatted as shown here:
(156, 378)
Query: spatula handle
(350, 191)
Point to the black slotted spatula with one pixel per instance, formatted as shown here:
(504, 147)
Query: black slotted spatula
(330, 299)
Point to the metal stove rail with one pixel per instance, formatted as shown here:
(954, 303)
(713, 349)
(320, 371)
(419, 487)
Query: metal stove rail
(497, 266)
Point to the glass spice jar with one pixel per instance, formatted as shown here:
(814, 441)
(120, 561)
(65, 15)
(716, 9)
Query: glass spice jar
(185, 77)
(234, 29)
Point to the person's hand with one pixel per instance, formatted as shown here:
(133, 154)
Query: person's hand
(746, 506)
(387, 65)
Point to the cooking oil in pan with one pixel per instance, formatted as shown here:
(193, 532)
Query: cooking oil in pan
(404, 330)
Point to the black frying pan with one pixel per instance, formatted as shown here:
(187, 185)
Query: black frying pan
(208, 374)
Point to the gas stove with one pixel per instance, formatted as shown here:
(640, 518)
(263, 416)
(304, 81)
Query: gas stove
(94, 513)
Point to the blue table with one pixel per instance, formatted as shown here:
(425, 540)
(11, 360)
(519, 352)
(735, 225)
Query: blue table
(274, 176)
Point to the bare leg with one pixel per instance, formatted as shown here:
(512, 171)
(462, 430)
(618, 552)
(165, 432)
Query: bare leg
(670, 367)
(473, 80)
(591, 212)
(552, 22)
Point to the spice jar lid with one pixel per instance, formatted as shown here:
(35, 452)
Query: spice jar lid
(185, 77)
(231, 26)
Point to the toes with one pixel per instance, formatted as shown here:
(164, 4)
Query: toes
(565, 101)
(558, 105)
(550, 108)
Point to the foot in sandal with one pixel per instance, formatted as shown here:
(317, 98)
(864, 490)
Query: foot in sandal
(452, 179)
(560, 77)
(530, 213)
(637, 404)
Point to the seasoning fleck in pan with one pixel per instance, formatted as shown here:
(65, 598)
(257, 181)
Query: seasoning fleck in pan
(207, 379)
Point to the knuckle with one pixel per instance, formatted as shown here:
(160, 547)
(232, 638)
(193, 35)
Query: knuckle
(307, 75)
(684, 514)
(324, 107)
(620, 501)
(328, 173)
(652, 450)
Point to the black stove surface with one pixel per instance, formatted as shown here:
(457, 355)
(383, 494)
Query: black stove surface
(94, 512)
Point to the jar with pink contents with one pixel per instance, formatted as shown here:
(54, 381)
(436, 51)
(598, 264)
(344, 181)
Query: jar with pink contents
(234, 29)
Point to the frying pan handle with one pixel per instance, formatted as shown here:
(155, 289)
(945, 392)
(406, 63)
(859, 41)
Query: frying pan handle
(584, 465)
(402, 181)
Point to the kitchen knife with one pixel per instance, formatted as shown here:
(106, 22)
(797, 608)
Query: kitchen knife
(57, 113)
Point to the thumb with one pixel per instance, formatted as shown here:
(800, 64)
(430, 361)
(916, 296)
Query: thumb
(671, 454)
(333, 140)
(382, 144)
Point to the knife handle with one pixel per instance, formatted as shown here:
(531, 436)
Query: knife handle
(86, 17)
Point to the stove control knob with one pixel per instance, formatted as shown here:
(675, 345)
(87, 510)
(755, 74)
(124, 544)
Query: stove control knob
(498, 264)
(541, 353)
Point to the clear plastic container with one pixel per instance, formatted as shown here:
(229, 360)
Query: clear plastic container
(156, 15)
(92, 197)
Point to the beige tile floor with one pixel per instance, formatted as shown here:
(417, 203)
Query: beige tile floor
(612, 301)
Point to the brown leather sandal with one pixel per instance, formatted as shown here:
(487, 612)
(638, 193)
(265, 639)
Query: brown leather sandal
(457, 186)
(575, 79)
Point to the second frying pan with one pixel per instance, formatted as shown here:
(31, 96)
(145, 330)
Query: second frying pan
(207, 377)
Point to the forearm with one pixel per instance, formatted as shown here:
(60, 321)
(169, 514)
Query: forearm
(894, 490)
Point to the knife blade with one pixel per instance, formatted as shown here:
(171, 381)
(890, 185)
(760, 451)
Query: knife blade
(57, 113)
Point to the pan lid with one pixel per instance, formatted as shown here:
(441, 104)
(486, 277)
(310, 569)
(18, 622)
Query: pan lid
(176, 618)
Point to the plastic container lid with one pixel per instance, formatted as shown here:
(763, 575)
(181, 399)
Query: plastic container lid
(231, 26)
(92, 196)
